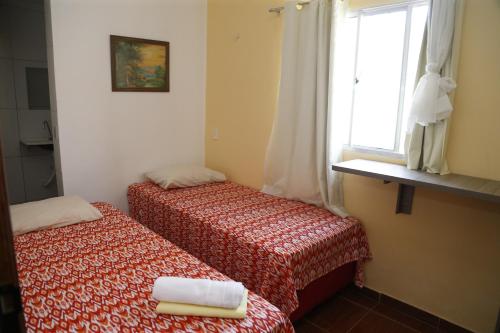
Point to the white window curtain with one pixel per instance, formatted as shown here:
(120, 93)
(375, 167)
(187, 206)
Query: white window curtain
(431, 106)
(298, 160)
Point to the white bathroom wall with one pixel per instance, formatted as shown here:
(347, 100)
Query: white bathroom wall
(8, 113)
(108, 139)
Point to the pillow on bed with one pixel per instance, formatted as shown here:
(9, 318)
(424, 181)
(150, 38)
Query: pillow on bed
(51, 213)
(184, 176)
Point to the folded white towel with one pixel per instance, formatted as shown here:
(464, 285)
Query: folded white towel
(224, 294)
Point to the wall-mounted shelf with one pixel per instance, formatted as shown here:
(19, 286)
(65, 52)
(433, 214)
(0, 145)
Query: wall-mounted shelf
(480, 188)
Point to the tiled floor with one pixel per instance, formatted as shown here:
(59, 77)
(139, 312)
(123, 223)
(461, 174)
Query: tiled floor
(351, 311)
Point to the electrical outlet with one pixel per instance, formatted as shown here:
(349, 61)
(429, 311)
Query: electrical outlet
(215, 134)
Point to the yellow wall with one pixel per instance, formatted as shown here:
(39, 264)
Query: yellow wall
(242, 84)
(474, 147)
(445, 257)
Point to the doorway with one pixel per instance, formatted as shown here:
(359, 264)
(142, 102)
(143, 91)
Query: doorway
(25, 110)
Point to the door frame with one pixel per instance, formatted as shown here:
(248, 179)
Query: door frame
(11, 310)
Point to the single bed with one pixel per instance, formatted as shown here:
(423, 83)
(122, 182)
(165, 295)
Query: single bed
(98, 276)
(293, 254)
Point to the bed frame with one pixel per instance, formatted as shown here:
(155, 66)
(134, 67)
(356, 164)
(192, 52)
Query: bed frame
(322, 289)
(11, 313)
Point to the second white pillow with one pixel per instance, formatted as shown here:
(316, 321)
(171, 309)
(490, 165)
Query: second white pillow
(175, 176)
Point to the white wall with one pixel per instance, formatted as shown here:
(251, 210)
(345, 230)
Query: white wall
(108, 139)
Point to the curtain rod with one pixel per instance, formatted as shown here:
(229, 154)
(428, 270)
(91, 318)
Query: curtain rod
(278, 10)
(299, 5)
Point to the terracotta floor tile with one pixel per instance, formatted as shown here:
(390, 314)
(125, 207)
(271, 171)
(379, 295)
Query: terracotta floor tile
(405, 319)
(337, 315)
(304, 326)
(409, 310)
(354, 294)
(375, 323)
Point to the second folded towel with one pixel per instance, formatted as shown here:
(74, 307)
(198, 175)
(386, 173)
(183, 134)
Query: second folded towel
(204, 311)
(224, 294)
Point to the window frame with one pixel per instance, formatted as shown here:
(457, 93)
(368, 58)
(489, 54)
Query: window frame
(407, 7)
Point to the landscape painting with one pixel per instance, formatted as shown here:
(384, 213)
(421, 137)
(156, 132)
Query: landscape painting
(139, 64)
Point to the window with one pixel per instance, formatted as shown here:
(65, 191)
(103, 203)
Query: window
(380, 56)
(37, 82)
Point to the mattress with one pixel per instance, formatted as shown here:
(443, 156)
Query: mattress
(273, 245)
(98, 276)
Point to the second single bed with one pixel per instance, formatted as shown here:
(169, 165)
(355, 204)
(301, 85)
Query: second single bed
(276, 247)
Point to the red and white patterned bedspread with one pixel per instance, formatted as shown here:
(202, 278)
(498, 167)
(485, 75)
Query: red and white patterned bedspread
(273, 245)
(98, 276)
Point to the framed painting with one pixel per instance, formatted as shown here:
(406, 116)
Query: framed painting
(139, 64)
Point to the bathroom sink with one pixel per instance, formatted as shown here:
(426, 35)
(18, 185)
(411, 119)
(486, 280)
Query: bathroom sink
(41, 142)
(46, 144)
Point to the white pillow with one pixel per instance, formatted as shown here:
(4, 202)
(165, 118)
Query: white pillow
(184, 176)
(51, 213)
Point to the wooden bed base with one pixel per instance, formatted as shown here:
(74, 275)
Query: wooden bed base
(323, 288)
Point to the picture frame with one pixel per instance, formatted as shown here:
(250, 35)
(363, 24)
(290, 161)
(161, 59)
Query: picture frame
(139, 64)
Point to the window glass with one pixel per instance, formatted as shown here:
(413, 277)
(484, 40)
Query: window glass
(379, 65)
(376, 96)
